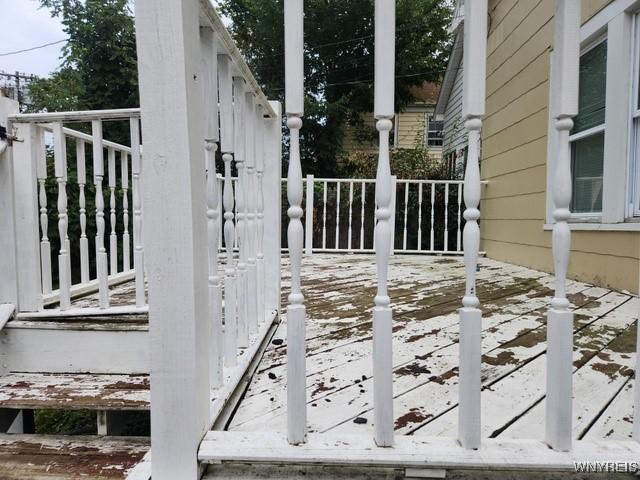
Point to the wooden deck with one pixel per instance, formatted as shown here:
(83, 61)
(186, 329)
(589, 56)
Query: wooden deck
(426, 293)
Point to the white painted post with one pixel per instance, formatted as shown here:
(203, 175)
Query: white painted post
(226, 146)
(8, 264)
(308, 220)
(324, 216)
(136, 186)
(392, 221)
(636, 386)
(252, 277)
(559, 317)
(432, 245)
(273, 210)
(175, 231)
(81, 168)
(98, 174)
(349, 234)
(26, 217)
(260, 209)
(45, 245)
(419, 216)
(406, 208)
(240, 157)
(126, 240)
(338, 185)
(446, 217)
(113, 239)
(459, 229)
(362, 216)
(209, 75)
(382, 317)
(296, 312)
(60, 159)
(475, 43)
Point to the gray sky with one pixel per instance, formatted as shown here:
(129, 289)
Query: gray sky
(24, 25)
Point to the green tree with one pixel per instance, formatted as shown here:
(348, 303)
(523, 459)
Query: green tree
(339, 60)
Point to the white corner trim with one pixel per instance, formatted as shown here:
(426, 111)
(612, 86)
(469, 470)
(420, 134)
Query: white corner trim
(600, 227)
(600, 20)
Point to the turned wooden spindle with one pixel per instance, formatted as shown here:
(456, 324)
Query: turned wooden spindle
(382, 315)
(566, 58)
(60, 159)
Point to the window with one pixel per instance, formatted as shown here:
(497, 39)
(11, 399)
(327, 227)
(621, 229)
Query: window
(635, 116)
(434, 132)
(587, 136)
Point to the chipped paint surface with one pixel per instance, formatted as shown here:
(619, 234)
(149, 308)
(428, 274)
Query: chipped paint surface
(74, 391)
(62, 458)
(426, 293)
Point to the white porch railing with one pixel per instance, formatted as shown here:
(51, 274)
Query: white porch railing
(83, 169)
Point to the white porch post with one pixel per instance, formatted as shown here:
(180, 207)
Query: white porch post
(25, 156)
(475, 58)
(175, 234)
(559, 317)
(308, 218)
(296, 312)
(382, 319)
(8, 266)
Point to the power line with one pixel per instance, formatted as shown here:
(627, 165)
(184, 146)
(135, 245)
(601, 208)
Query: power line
(33, 48)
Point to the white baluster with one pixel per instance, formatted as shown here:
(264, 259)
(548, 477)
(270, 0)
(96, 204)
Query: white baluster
(101, 251)
(209, 74)
(227, 146)
(362, 217)
(382, 318)
(296, 312)
(60, 159)
(446, 217)
(406, 208)
(113, 239)
(82, 181)
(350, 214)
(45, 245)
(308, 217)
(252, 278)
(475, 42)
(432, 245)
(324, 215)
(459, 231)
(419, 216)
(560, 318)
(138, 250)
(338, 185)
(240, 152)
(126, 240)
(260, 211)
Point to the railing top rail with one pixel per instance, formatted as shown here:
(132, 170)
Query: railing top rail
(213, 19)
(89, 139)
(78, 116)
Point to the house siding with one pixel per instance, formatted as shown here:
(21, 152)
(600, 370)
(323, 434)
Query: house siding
(514, 153)
(454, 133)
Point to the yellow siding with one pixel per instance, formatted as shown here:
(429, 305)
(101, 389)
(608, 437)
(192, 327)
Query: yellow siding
(514, 153)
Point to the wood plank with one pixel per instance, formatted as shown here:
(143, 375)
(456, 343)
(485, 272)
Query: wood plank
(409, 451)
(74, 391)
(39, 457)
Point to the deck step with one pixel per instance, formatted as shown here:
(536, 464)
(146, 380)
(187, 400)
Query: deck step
(74, 391)
(66, 457)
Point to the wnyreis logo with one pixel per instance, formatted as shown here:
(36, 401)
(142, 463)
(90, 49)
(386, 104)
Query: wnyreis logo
(607, 467)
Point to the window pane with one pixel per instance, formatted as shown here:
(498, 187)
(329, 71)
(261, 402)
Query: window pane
(586, 168)
(593, 83)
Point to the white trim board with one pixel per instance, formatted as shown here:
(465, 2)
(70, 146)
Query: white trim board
(601, 227)
(408, 451)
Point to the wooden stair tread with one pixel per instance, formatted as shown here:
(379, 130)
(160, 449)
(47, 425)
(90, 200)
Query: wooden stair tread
(69, 457)
(107, 322)
(72, 391)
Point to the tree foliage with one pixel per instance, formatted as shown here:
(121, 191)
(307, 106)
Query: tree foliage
(339, 60)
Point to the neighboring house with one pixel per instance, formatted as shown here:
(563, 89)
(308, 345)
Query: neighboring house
(518, 140)
(449, 106)
(414, 127)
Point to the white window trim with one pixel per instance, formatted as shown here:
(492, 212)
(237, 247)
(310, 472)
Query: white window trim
(634, 132)
(613, 23)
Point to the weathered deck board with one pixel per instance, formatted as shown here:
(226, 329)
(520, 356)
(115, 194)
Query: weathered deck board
(426, 292)
(74, 391)
(38, 457)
